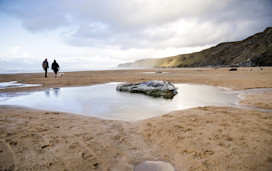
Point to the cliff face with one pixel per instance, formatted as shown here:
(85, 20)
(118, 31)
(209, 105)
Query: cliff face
(142, 63)
(256, 50)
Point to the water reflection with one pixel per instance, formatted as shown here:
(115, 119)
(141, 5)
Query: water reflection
(56, 92)
(104, 101)
(47, 93)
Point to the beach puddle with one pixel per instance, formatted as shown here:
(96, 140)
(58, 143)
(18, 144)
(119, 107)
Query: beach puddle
(154, 166)
(104, 101)
(158, 72)
(15, 84)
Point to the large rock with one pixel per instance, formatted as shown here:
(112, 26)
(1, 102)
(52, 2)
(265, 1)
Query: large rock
(152, 88)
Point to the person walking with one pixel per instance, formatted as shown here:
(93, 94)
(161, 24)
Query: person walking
(55, 67)
(45, 66)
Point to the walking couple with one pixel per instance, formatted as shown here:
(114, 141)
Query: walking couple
(54, 67)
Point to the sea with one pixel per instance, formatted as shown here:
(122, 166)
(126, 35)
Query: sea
(18, 71)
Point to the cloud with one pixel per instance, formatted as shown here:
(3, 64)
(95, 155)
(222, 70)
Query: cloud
(145, 23)
(37, 15)
(16, 52)
(163, 24)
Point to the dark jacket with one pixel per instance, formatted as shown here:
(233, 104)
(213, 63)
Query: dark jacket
(55, 66)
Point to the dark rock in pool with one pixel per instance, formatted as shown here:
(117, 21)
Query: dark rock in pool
(152, 88)
(233, 69)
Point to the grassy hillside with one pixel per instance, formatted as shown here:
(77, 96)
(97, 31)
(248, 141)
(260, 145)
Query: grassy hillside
(253, 51)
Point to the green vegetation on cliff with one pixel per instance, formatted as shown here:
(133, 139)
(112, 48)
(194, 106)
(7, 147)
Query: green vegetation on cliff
(253, 51)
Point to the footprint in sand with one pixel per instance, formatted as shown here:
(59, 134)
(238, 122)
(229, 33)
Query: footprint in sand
(7, 160)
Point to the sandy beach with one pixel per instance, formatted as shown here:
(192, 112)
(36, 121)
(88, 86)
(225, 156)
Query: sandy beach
(204, 138)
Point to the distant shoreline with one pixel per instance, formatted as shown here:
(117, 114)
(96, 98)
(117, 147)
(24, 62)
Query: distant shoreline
(37, 71)
(24, 71)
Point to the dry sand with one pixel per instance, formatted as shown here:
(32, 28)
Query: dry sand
(206, 138)
(258, 99)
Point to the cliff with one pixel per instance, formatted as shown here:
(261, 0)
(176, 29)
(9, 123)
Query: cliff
(255, 50)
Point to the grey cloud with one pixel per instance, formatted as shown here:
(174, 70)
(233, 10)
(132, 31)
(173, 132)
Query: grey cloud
(37, 16)
(217, 21)
(147, 23)
(41, 23)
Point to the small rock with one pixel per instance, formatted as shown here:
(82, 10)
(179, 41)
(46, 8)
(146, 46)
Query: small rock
(233, 69)
(95, 165)
(13, 143)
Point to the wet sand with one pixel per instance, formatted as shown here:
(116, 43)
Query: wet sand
(205, 138)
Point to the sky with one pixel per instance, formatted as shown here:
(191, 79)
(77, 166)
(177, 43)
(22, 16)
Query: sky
(91, 34)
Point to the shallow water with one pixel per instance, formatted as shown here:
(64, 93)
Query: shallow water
(154, 166)
(104, 101)
(15, 84)
(154, 72)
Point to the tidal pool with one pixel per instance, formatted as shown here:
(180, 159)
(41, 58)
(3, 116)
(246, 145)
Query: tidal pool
(15, 84)
(104, 101)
